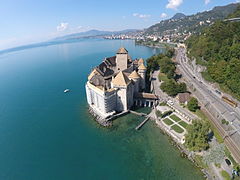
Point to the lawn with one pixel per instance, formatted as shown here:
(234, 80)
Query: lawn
(168, 121)
(183, 124)
(162, 77)
(175, 118)
(225, 175)
(177, 129)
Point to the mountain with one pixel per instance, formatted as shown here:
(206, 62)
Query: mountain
(179, 16)
(181, 26)
(93, 33)
(218, 48)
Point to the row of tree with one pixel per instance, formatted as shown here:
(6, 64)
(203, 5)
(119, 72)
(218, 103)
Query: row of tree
(167, 67)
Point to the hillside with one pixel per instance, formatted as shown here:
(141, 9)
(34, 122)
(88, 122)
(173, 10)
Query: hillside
(182, 26)
(218, 47)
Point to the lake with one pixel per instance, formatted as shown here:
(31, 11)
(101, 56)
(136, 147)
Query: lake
(47, 134)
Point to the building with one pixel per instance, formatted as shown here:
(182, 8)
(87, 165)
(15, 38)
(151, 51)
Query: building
(183, 98)
(113, 84)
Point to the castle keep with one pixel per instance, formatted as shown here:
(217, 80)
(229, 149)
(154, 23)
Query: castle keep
(112, 85)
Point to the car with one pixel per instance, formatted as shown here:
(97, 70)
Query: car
(228, 162)
(217, 91)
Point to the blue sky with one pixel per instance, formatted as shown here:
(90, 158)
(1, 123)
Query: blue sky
(27, 21)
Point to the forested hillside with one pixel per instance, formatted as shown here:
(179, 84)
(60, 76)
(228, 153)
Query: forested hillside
(182, 25)
(218, 47)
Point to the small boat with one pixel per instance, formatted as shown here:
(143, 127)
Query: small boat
(66, 90)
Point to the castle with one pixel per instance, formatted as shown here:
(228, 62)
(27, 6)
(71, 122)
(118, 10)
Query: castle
(112, 85)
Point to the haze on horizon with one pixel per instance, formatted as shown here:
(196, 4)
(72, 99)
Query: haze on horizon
(29, 21)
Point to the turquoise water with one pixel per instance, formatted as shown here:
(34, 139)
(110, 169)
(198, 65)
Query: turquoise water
(46, 134)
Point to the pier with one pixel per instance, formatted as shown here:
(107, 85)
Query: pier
(137, 113)
(142, 123)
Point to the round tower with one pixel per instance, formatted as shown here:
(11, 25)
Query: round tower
(136, 79)
(142, 72)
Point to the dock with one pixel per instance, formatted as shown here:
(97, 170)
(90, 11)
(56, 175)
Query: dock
(137, 113)
(142, 123)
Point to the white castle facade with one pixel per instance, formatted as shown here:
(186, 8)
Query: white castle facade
(112, 85)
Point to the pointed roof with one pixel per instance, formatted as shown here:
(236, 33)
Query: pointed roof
(93, 73)
(142, 67)
(121, 80)
(141, 60)
(134, 75)
(122, 50)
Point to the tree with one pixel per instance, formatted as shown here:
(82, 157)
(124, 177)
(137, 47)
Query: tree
(172, 88)
(196, 138)
(193, 104)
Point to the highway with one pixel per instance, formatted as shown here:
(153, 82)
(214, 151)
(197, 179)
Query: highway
(215, 107)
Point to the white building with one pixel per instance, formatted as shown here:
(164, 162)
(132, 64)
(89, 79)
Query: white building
(111, 86)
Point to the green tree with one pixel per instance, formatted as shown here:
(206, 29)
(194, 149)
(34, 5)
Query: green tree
(193, 104)
(196, 138)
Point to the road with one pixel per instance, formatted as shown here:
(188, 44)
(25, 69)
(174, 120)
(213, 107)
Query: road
(164, 97)
(213, 104)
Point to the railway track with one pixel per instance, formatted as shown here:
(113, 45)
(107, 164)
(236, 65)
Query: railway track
(231, 145)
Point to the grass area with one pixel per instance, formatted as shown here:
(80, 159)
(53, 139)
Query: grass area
(163, 104)
(162, 77)
(200, 114)
(183, 124)
(225, 175)
(177, 128)
(199, 161)
(168, 121)
(159, 114)
(175, 118)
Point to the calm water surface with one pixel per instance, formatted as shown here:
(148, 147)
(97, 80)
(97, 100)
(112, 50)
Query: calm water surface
(46, 134)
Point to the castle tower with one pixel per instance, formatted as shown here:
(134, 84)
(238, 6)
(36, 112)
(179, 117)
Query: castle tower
(142, 72)
(136, 79)
(124, 91)
(122, 59)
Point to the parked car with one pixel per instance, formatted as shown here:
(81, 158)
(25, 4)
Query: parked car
(228, 162)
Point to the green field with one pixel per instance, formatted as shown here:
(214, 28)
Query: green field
(162, 77)
(183, 124)
(168, 121)
(175, 118)
(177, 129)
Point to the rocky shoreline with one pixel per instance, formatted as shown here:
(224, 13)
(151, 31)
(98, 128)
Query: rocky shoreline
(102, 121)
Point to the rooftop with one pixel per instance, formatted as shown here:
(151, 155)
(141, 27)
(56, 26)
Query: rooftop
(146, 96)
(122, 50)
(121, 80)
(134, 75)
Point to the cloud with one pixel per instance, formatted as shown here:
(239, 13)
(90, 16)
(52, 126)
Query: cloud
(62, 27)
(207, 1)
(174, 4)
(163, 15)
(142, 16)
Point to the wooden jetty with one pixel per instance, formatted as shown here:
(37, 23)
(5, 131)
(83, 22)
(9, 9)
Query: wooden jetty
(142, 123)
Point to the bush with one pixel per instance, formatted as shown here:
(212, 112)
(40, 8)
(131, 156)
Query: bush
(193, 104)
(225, 122)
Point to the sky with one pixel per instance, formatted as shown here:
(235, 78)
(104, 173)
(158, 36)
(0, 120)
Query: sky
(29, 21)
